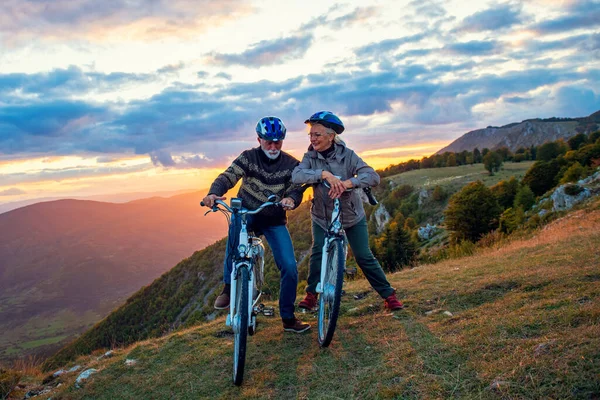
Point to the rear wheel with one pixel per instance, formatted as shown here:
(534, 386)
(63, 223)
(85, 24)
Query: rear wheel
(329, 302)
(240, 320)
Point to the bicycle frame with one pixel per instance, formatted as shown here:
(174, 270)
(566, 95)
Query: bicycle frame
(334, 232)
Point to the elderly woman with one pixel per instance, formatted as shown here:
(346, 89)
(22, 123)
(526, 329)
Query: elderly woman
(327, 159)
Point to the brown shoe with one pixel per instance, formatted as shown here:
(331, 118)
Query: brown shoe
(309, 302)
(222, 301)
(295, 325)
(392, 303)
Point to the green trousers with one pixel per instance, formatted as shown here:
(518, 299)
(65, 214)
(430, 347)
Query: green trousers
(358, 238)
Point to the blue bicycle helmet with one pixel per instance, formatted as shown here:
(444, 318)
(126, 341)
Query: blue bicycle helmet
(271, 128)
(328, 120)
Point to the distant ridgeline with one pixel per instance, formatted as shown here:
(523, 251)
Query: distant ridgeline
(531, 132)
(514, 142)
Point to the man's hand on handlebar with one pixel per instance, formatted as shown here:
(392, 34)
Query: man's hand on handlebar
(337, 186)
(287, 203)
(209, 200)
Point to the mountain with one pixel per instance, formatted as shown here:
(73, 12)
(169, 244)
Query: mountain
(111, 198)
(66, 264)
(531, 132)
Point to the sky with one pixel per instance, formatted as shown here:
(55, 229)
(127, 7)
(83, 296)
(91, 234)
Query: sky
(119, 96)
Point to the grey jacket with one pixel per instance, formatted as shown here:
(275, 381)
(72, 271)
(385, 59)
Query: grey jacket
(342, 162)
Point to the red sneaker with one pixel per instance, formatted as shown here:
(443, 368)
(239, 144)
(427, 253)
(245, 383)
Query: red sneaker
(392, 303)
(309, 302)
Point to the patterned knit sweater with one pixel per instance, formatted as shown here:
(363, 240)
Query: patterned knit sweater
(261, 177)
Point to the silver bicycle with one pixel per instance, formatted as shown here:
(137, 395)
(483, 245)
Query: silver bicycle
(247, 277)
(333, 265)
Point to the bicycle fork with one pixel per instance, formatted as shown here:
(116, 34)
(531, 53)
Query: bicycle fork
(233, 317)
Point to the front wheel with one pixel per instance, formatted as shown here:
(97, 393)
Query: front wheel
(329, 303)
(240, 320)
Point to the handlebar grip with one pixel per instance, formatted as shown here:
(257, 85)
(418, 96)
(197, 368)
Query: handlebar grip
(372, 199)
(202, 204)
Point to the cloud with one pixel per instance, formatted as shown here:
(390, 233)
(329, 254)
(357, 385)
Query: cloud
(160, 157)
(473, 48)
(359, 15)
(46, 20)
(578, 15)
(493, 19)
(223, 75)
(267, 52)
(12, 192)
(64, 82)
(387, 46)
(577, 100)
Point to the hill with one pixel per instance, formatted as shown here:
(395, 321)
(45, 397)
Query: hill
(531, 132)
(66, 264)
(184, 295)
(517, 320)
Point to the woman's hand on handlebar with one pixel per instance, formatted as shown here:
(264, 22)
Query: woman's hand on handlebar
(209, 200)
(337, 186)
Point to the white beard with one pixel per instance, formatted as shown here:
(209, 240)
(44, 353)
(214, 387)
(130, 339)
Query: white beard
(271, 155)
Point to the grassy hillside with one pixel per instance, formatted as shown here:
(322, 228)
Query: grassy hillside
(454, 178)
(521, 320)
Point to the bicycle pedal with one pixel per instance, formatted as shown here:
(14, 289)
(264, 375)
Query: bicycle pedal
(268, 311)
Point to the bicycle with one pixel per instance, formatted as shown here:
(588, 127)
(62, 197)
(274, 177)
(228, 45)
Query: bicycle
(333, 265)
(247, 276)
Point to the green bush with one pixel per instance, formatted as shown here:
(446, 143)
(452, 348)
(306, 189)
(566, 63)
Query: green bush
(524, 198)
(472, 212)
(573, 190)
(575, 172)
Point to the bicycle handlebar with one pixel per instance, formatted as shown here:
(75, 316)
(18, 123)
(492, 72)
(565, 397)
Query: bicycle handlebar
(242, 210)
(372, 200)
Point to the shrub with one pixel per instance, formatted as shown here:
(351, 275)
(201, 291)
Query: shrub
(541, 176)
(505, 192)
(492, 162)
(575, 172)
(472, 212)
(524, 198)
(573, 190)
(511, 219)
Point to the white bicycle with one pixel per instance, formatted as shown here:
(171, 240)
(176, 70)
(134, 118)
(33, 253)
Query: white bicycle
(247, 277)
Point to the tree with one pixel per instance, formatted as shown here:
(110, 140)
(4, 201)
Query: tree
(524, 198)
(575, 172)
(477, 158)
(551, 150)
(394, 249)
(541, 176)
(438, 193)
(451, 161)
(472, 212)
(492, 161)
(577, 141)
(505, 192)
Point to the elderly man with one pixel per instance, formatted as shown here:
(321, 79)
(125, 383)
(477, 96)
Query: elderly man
(265, 170)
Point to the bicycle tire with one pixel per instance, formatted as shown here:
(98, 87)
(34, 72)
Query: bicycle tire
(241, 336)
(329, 302)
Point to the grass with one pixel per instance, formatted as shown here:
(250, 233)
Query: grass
(455, 178)
(521, 321)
